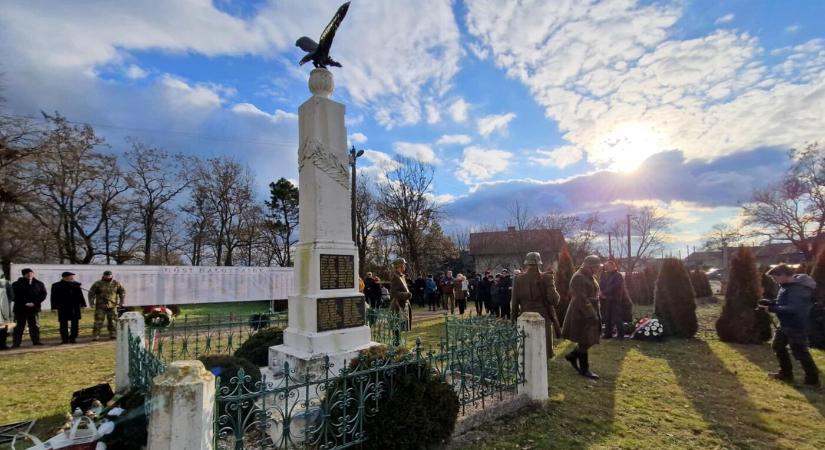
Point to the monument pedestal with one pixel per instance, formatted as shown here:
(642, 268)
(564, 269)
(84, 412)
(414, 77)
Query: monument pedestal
(327, 314)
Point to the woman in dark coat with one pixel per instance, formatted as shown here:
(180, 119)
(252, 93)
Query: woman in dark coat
(67, 299)
(583, 322)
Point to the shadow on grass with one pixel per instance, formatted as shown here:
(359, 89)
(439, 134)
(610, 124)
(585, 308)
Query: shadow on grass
(715, 392)
(764, 357)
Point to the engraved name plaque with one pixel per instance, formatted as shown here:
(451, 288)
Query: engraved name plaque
(341, 312)
(337, 271)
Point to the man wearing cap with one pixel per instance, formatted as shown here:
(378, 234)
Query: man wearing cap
(29, 293)
(535, 291)
(399, 292)
(106, 295)
(583, 322)
(67, 299)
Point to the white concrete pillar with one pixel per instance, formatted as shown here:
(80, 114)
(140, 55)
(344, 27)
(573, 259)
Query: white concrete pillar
(128, 323)
(182, 408)
(534, 357)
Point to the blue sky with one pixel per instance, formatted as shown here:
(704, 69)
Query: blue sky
(570, 106)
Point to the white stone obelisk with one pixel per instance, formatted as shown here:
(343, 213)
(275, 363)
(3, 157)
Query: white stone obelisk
(326, 311)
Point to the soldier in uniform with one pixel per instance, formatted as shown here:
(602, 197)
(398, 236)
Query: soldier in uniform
(399, 292)
(106, 295)
(535, 291)
(583, 322)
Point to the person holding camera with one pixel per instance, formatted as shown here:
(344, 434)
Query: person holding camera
(793, 308)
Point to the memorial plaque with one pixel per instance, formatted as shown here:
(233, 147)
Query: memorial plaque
(341, 312)
(337, 271)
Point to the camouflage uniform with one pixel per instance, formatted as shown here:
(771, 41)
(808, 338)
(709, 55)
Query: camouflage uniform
(106, 296)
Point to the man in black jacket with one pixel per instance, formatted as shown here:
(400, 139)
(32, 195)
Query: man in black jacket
(29, 293)
(611, 285)
(67, 299)
(793, 308)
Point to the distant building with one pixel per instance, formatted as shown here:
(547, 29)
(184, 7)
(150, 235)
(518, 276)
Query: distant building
(497, 250)
(766, 255)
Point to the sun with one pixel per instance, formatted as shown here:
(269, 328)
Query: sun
(627, 147)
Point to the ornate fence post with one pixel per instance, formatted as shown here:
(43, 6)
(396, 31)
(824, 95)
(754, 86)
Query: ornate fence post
(182, 409)
(130, 323)
(534, 357)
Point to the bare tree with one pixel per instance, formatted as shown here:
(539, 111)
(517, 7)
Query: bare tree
(367, 218)
(156, 177)
(407, 208)
(227, 186)
(70, 186)
(648, 228)
(722, 237)
(793, 209)
(200, 218)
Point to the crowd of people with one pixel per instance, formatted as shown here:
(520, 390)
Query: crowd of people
(21, 305)
(597, 305)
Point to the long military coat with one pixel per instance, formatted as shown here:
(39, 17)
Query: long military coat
(399, 292)
(583, 322)
(534, 291)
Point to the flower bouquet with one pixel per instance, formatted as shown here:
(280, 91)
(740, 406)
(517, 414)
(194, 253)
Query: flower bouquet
(158, 317)
(648, 329)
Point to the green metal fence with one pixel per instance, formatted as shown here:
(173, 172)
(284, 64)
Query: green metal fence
(388, 327)
(143, 365)
(190, 338)
(328, 410)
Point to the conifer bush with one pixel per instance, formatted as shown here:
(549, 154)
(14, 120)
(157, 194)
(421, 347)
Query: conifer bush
(564, 274)
(256, 348)
(740, 322)
(675, 301)
(420, 413)
(701, 284)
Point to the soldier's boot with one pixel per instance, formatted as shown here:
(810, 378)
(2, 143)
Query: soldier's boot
(584, 366)
(573, 359)
(785, 367)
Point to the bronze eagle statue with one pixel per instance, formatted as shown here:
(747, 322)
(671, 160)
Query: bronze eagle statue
(318, 52)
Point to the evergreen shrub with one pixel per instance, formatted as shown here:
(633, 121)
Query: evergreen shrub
(256, 348)
(740, 321)
(675, 301)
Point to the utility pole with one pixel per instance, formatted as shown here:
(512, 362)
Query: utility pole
(628, 271)
(353, 157)
(609, 245)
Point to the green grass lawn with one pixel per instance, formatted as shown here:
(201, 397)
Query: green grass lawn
(50, 331)
(699, 393)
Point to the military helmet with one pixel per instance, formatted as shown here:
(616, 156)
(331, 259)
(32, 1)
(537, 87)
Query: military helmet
(399, 262)
(592, 261)
(532, 259)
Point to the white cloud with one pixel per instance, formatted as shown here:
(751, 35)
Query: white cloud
(727, 18)
(480, 164)
(251, 110)
(433, 114)
(620, 88)
(792, 28)
(134, 72)
(458, 110)
(379, 164)
(180, 94)
(358, 138)
(48, 40)
(495, 122)
(560, 157)
(418, 152)
(454, 139)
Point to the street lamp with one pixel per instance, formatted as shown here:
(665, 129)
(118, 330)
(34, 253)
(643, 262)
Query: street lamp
(353, 157)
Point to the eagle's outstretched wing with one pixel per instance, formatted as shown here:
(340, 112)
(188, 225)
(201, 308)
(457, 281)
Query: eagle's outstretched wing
(329, 32)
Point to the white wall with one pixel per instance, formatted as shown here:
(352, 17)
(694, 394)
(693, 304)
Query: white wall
(175, 285)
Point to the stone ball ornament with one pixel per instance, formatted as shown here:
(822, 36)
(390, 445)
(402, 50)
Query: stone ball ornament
(321, 82)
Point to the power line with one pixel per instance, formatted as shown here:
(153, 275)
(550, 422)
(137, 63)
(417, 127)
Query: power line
(207, 137)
